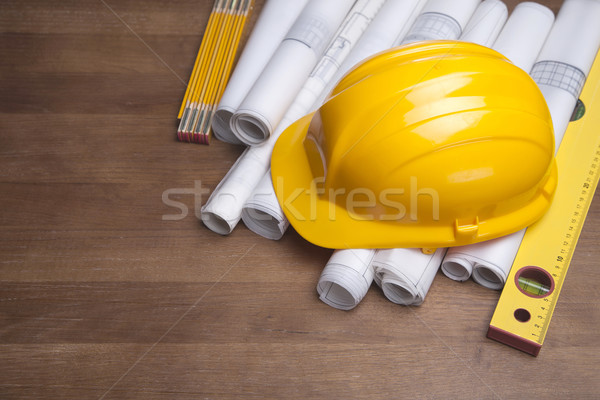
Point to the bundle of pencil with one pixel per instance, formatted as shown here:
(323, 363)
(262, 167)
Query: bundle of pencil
(212, 69)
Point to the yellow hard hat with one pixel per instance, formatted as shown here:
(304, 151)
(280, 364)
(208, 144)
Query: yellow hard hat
(429, 145)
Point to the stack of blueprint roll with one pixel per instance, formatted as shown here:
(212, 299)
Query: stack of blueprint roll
(298, 51)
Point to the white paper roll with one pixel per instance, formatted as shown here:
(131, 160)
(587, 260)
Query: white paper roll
(275, 20)
(346, 278)
(485, 24)
(351, 29)
(490, 260)
(285, 73)
(405, 275)
(223, 209)
(262, 213)
(389, 26)
(561, 102)
(566, 58)
(524, 34)
(441, 19)
(575, 36)
(457, 266)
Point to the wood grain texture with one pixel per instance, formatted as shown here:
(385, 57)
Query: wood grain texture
(101, 296)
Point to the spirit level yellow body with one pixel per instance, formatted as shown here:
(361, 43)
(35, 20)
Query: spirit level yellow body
(522, 316)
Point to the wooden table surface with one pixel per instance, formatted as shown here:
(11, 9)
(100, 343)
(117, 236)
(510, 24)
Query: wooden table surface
(100, 297)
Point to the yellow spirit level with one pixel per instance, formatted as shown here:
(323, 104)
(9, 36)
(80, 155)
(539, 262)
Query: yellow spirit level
(525, 307)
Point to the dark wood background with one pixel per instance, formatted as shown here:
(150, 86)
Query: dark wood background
(102, 298)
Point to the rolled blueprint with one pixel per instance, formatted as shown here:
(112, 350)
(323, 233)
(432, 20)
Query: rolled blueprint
(488, 261)
(261, 213)
(560, 70)
(223, 210)
(441, 19)
(405, 275)
(274, 21)
(484, 26)
(566, 58)
(285, 73)
(458, 264)
(524, 34)
(346, 278)
(493, 259)
(354, 25)
(389, 26)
